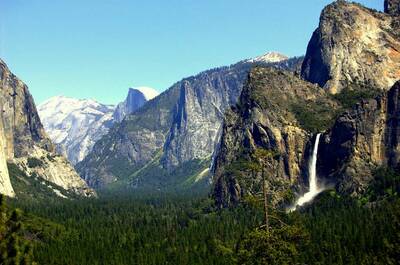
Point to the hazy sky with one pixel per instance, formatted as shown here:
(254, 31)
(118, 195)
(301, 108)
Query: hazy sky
(98, 49)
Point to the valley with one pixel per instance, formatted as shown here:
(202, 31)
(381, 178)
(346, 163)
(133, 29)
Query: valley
(270, 160)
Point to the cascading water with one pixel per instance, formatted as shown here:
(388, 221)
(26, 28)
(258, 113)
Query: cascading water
(312, 172)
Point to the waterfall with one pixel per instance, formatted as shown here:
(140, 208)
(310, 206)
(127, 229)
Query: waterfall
(312, 173)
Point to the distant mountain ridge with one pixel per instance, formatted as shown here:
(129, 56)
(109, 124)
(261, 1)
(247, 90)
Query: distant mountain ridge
(75, 125)
(136, 98)
(270, 57)
(171, 138)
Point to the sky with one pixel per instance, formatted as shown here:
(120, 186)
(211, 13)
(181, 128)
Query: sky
(99, 48)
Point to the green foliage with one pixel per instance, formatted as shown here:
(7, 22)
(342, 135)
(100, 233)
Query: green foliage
(14, 249)
(279, 245)
(344, 232)
(385, 184)
(353, 94)
(185, 229)
(262, 154)
(34, 162)
(139, 230)
(314, 116)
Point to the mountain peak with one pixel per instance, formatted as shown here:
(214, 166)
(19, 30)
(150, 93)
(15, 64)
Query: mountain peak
(74, 124)
(148, 92)
(270, 57)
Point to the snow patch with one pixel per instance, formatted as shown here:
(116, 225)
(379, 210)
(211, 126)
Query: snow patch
(270, 57)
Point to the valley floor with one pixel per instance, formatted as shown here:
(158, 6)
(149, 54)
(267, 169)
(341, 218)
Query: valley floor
(186, 229)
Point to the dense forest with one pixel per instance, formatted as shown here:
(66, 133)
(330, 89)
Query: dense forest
(186, 229)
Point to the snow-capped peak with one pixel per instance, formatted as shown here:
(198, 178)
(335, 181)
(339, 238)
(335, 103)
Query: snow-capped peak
(148, 92)
(75, 124)
(270, 57)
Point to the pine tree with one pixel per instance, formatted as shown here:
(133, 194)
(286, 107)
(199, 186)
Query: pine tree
(14, 249)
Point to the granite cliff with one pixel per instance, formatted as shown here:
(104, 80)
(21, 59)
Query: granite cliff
(354, 46)
(353, 59)
(173, 135)
(276, 111)
(25, 143)
(362, 140)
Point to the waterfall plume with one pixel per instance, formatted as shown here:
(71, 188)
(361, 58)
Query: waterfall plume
(313, 182)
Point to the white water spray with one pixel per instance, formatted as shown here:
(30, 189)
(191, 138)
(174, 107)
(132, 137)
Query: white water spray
(312, 173)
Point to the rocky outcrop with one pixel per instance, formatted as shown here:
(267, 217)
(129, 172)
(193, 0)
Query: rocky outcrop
(392, 7)
(5, 183)
(352, 47)
(54, 169)
(266, 117)
(179, 126)
(25, 138)
(198, 115)
(136, 98)
(361, 140)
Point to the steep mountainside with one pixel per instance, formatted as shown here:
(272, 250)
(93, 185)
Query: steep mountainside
(355, 46)
(136, 98)
(25, 142)
(5, 183)
(355, 55)
(74, 125)
(360, 141)
(176, 131)
(276, 111)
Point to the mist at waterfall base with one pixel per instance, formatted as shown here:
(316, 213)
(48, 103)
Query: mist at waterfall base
(314, 189)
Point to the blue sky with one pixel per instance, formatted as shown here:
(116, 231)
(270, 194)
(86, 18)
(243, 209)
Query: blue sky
(98, 49)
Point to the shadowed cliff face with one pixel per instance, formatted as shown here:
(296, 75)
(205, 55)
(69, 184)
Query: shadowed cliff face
(22, 126)
(133, 101)
(392, 7)
(23, 137)
(267, 116)
(354, 45)
(362, 140)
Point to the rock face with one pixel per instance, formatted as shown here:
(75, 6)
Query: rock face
(198, 115)
(176, 128)
(266, 117)
(392, 7)
(5, 183)
(354, 46)
(24, 138)
(361, 140)
(136, 98)
(74, 125)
